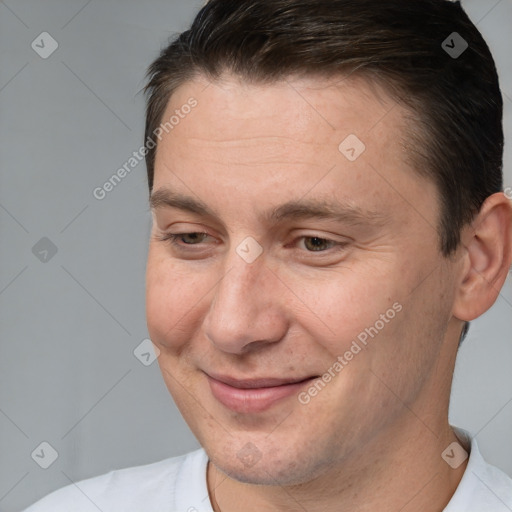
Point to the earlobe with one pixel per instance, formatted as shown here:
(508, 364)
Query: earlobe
(487, 243)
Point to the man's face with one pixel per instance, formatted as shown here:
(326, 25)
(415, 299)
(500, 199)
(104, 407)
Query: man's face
(318, 261)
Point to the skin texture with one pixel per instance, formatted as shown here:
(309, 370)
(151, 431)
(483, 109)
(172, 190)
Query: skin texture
(372, 438)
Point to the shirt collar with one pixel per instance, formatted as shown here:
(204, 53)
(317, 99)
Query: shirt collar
(482, 487)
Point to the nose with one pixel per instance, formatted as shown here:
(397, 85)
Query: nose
(245, 312)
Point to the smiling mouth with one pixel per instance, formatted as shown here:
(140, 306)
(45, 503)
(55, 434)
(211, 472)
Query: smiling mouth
(254, 395)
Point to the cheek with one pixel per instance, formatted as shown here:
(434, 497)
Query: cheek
(348, 304)
(174, 301)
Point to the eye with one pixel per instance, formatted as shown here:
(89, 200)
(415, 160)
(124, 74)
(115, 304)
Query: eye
(184, 238)
(317, 244)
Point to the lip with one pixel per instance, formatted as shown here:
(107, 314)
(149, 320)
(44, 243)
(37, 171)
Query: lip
(253, 395)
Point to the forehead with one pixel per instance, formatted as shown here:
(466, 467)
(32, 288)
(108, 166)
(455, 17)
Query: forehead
(342, 104)
(281, 141)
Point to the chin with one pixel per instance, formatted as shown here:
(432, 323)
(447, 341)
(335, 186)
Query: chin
(270, 466)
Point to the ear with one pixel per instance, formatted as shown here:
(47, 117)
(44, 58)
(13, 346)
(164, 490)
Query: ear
(486, 259)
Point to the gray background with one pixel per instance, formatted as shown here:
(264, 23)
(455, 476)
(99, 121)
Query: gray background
(69, 326)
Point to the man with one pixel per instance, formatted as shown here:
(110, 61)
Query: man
(326, 189)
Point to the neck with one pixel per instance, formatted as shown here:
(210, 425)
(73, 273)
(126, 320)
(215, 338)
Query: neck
(400, 469)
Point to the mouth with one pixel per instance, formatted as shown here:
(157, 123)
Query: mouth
(254, 395)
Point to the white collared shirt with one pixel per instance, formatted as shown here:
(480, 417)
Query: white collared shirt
(179, 485)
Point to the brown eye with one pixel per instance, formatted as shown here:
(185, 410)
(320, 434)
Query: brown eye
(192, 238)
(314, 243)
(180, 239)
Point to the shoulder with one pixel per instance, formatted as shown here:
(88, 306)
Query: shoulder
(483, 486)
(148, 487)
(494, 488)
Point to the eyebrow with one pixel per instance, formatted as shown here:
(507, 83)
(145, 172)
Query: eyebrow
(328, 210)
(293, 210)
(164, 197)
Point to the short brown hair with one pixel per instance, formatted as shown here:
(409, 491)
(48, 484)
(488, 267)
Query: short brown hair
(455, 101)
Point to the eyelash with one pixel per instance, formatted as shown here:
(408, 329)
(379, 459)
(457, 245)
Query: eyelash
(173, 239)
